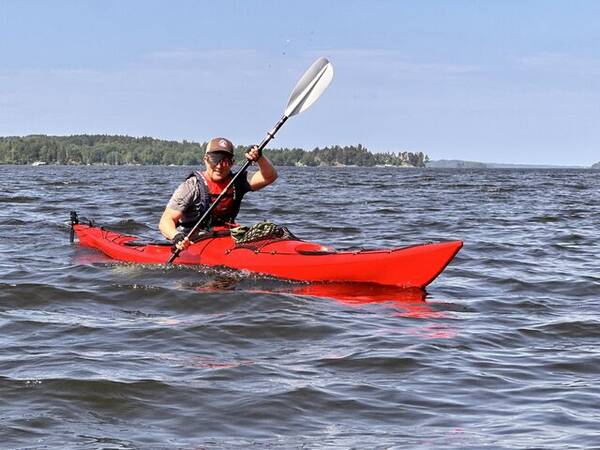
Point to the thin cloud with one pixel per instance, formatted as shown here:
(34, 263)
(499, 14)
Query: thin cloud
(560, 62)
(183, 55)
(395, 60)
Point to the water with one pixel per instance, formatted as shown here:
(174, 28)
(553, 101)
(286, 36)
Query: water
(501, 354)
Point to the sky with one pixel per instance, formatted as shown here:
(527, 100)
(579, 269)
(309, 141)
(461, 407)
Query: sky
(508, 81)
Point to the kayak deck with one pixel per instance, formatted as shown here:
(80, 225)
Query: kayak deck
(413, 266)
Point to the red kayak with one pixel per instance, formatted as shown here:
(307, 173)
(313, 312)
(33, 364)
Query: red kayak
(292, 259)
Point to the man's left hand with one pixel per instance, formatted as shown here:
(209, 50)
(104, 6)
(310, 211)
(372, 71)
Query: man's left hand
(253, 154)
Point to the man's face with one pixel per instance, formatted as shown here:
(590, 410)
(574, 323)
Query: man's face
(218, 165)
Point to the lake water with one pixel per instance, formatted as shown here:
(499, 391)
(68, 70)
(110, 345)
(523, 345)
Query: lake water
(502, 353)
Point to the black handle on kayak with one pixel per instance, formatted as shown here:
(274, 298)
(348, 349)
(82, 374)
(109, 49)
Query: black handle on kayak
(74, 221)
(270, 135)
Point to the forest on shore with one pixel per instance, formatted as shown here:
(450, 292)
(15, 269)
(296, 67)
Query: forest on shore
(126, 150)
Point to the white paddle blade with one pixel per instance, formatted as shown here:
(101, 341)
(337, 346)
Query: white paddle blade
(310, 87)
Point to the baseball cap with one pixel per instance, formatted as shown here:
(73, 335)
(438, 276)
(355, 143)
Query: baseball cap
(219, 144)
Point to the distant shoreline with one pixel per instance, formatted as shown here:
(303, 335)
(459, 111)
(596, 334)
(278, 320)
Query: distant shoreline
(115, 150)
(461, 164)
(324, 167)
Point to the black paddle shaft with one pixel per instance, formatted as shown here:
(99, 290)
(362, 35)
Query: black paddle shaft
(270, 135)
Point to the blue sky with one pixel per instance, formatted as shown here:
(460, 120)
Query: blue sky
(499, 81)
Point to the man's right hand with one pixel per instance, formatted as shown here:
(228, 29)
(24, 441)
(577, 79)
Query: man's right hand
(180, 242)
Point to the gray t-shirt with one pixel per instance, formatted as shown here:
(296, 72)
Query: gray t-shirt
(193, 200)
(184, 195)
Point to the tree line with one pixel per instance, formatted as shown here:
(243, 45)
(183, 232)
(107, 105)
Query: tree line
(126, 150)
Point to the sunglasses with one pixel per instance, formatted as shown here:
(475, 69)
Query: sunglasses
(216, 158)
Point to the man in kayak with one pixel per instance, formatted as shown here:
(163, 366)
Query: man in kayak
(195, 195)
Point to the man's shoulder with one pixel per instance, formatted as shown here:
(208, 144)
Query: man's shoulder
(190, 184)
(193, 177)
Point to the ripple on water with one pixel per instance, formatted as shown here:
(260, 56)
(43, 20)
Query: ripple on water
(19, 199)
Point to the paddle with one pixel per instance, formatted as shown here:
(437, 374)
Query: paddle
(310, 87)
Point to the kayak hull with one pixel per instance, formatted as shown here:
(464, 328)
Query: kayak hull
(414, 266)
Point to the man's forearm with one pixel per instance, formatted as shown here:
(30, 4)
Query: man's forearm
(267, 169)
